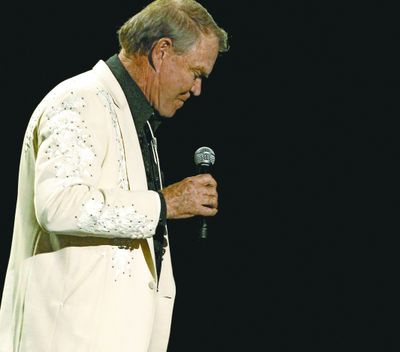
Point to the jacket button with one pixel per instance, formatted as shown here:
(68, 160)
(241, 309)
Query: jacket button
(152, 285)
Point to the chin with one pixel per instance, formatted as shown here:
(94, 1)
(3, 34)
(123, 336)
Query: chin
(167, 113)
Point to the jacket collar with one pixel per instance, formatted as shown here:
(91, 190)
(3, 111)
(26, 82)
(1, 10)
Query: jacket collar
(138, 103)
(125, 91)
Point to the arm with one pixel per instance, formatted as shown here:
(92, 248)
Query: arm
(72, 142)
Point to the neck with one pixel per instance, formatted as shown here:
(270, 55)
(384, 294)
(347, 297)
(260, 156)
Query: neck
(141, 71)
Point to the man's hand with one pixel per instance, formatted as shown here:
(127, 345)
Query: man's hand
(195, 195)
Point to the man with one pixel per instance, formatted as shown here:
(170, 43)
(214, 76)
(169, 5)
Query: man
(90, 267)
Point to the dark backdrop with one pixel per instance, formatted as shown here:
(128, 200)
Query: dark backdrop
(301, 114)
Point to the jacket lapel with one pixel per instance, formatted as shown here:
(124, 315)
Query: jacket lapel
(136, 173)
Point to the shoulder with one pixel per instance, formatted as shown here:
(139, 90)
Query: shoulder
(76, 101)
(84, 85)
(84, 94)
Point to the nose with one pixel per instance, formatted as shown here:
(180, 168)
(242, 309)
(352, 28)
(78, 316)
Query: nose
(196, 88)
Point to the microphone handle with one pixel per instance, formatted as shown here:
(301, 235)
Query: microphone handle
(203, 169)
(203, 231)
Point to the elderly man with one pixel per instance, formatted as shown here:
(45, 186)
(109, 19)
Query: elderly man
(90, 266)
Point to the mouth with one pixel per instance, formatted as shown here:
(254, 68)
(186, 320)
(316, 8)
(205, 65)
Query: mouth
(184, 97)
(182, 100)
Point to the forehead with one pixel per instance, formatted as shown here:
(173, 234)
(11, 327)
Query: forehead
(204, 53)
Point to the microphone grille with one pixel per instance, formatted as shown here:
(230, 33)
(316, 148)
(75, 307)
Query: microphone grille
(204, 156)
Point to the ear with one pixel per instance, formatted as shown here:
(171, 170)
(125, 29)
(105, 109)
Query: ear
(162, 48)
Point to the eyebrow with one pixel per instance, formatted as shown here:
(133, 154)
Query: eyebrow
(202, 70)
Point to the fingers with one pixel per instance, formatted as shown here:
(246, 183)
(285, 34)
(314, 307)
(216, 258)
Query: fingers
(196, 195)
(206, 211)
(210, 201)
(206, 180)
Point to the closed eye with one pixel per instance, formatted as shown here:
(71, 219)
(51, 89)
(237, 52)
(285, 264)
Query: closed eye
(199, 74)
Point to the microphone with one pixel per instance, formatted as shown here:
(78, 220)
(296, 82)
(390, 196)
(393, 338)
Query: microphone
(204, 158)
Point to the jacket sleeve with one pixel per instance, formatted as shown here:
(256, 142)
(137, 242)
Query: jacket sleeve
(72, 135)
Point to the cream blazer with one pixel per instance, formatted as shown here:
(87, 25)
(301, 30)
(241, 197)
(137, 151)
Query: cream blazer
(81, 275)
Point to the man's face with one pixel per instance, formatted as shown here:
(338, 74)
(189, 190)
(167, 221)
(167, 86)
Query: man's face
(181, 75)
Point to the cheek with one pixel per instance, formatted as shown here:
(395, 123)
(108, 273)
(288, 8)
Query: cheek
(176, 85)
(176, 81)
(170, 80)
(184, 83)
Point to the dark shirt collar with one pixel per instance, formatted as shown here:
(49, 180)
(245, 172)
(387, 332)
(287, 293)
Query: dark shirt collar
(140, 107)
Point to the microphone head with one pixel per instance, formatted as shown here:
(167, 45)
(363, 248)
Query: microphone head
(204, 156)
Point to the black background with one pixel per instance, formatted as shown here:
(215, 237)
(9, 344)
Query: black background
(302, 115)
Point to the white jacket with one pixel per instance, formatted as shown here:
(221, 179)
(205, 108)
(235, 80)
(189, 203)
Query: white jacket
(81, 275)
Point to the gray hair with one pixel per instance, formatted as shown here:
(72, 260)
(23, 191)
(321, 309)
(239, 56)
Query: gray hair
(183, 21)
